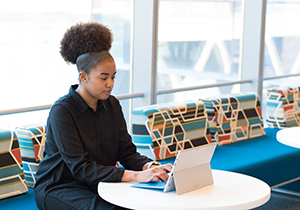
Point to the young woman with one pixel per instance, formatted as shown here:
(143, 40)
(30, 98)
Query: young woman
(86, 131)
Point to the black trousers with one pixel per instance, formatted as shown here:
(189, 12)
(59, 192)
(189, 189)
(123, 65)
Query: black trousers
(75, 199)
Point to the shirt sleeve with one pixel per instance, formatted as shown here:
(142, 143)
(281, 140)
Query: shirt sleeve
(128, 156)
(70, 146)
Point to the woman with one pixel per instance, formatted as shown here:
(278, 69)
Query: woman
(86, 131)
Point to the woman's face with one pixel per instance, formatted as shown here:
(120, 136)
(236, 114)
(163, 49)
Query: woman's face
(100, 81)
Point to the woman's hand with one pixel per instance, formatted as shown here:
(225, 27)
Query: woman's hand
(158, 173)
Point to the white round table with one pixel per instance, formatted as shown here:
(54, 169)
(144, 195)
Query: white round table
(230, 191)
(289, 136)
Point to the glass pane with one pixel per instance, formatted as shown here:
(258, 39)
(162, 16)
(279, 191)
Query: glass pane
(197, 94)
(282, 38)
(117, 15)
(282, 45)
(199, 44)
(12, 121)
(33, 72)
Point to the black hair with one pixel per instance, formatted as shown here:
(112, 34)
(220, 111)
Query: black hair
(85, 38)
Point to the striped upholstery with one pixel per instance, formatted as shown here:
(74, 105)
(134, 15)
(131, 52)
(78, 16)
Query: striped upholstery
(32, 142)
(12, 180)
(160, 131)
(283, 107)
(234, 118)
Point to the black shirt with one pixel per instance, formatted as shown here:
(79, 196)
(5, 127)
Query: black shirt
(82, 145)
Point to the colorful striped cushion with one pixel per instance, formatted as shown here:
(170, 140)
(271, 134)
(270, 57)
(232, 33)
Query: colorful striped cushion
(160, 131)
(12, 180)
(234, 118)
(283, 107)
(32, 142)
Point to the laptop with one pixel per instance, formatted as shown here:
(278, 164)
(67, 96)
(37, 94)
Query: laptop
(191, 170)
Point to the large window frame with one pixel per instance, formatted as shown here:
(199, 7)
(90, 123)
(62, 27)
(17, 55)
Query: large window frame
(144, 91)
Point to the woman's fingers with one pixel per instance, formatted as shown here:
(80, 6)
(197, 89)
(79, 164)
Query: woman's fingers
(161, 174)
(168, 167)
(156, 178)
(158, 173)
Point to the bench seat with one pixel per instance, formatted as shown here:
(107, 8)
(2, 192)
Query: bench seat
(25, 201)
(263, 157)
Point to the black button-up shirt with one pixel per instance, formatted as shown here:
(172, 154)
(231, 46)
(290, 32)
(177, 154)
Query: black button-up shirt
(82, 145)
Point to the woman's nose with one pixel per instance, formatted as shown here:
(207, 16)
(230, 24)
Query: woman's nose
(110, 83)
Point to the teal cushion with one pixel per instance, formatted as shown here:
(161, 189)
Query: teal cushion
(12, 180)
(262, 157)
(25, 201)
(293, 186)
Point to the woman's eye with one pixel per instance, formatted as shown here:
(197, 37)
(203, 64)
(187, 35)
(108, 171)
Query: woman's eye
(105, 78)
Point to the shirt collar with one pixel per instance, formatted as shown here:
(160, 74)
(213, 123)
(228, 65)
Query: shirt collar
(80, 103)
(103, 103)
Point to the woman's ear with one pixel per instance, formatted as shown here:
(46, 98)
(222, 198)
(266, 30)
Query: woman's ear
(82, 76)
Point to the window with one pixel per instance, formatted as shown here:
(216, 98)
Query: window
(35, 73)
(282, 46)
(198, 44)
(32, 70)
(282, 39)
(117, 15)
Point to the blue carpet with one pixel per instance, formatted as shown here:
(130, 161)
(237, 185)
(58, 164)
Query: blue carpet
(281, 201)
(25, 202)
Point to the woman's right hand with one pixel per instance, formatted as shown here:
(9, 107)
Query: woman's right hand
(158, 173)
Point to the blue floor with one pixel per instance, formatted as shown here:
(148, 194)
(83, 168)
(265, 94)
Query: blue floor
(25, 202)
(281, 201)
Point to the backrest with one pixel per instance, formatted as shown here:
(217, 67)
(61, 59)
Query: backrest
(234, 118)
(160, 131)
(12, 181)
(32, 142)
(283, 107)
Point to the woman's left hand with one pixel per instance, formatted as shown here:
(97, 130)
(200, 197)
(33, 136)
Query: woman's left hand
(158, 173)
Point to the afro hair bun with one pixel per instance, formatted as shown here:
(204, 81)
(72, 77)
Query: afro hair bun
(85, 37)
